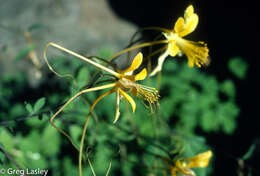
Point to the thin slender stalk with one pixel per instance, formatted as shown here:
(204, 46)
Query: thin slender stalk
(51, 68)
(68, 102)
(80, 57)
(86, 125)
(91, 167)
(136, 47)
(109, 167)
(156, 29)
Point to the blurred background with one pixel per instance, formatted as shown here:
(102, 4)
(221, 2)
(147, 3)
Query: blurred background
(200, 109)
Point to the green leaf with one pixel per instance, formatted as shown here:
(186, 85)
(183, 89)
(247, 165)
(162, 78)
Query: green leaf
(249, 153)
(30, 143)
(29, 108)
(195, 145)
(50, 140)
(227, 114)
(1, 145)
(75, 132)
(69, 167)
(2, 157)
(238, 67)
(16, 110)
(35, 122)
(228, 88)
(36, 26)
(38, 105)
(24, 52)
(82, 77)
(105, 52)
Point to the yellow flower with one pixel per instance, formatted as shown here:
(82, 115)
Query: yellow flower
(126, 82)
(184, 167)
(196, 52)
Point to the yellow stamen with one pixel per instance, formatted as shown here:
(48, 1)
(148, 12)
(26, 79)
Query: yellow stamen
(147, 93)
(197, 52)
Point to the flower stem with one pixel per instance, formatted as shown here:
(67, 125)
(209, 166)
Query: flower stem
(82, 58)
(86, 125)
(136, 47)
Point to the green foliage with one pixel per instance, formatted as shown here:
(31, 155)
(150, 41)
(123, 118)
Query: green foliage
(50, 148)
(29, 108)
(36, 27)
(249, 153)
(190, 100)
(195, 99)
(238, 67)
(6, 139)
(35, 122)
(105, 53)
(39, 104)
(24, 52)
(11, 85)
(82, 77)
(75, 133)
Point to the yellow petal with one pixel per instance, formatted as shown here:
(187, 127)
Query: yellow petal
(201, 160)
(190, 25)
(189, 11)
(179, 25)
(173, 49)
(181, 167)
(142, 75)
(129, 99)
(135, 64)
(117, 106)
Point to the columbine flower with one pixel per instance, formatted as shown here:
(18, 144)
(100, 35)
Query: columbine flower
(197, 52)
(184, 167)
(126, 82)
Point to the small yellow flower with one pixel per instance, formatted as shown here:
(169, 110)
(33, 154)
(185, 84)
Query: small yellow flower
(184, 167)
(196, 52)
(126, 82)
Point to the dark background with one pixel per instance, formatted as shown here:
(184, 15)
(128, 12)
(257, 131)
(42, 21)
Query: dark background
(229, 28)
